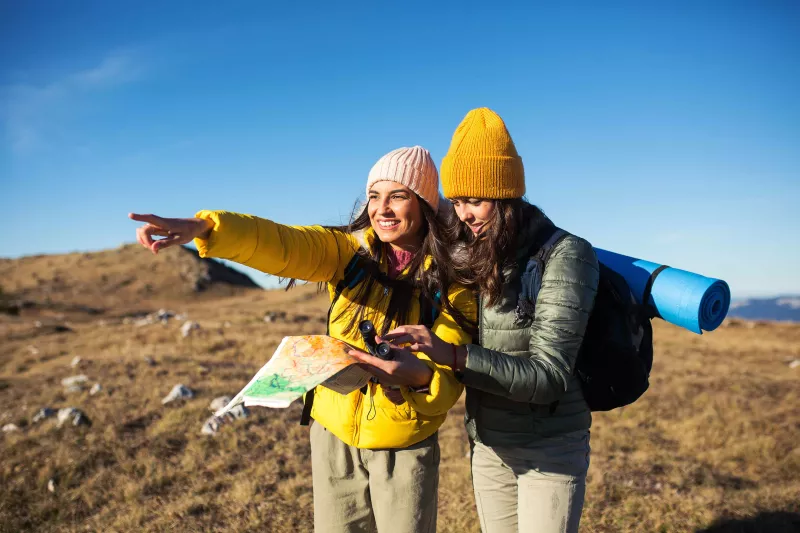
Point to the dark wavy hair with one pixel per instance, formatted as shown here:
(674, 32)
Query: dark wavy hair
(478, 261)
(428, 280)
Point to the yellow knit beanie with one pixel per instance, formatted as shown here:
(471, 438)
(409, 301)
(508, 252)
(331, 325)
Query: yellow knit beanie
(482, 161)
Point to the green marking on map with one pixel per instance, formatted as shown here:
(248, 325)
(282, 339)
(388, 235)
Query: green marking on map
(270, 385)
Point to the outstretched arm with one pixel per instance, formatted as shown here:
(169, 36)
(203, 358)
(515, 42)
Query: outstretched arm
(310, 253)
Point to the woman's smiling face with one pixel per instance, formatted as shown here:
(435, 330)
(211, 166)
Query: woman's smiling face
(395, 214)
(476, 213)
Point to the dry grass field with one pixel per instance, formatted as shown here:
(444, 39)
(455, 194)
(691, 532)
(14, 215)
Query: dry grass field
(713, 446)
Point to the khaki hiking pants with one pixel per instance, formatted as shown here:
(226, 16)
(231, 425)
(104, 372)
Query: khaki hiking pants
(535, 489)
(384, 491)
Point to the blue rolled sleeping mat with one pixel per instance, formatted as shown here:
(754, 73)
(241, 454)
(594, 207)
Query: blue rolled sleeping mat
(683, 298)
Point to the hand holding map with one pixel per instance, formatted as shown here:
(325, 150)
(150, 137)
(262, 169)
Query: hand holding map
(298, 365)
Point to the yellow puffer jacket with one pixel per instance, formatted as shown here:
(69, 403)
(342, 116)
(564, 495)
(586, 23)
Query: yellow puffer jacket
(316, 254)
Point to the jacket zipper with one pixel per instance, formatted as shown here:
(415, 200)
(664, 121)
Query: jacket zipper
(480, 319)
(357, 417)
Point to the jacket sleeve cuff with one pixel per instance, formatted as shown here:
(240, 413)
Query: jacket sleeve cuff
(233, 236)
(441, 395)
(477, 367)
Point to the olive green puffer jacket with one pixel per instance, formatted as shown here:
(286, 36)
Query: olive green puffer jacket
(522, 367)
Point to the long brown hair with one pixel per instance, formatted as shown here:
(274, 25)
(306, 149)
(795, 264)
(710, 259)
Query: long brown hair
(428, 279)
(479, 261)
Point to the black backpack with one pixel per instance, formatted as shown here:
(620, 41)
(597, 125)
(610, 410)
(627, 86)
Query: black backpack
(616, 356)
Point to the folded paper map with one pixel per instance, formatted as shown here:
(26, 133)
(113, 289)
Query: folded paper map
(298, 365)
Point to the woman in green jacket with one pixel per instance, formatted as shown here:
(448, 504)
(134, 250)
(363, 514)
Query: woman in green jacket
(526, 416)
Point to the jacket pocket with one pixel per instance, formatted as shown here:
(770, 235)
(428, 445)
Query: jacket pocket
(390, 410)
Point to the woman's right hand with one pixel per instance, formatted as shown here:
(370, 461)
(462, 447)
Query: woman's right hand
(175, 231)
(404, 369)
(421, 339)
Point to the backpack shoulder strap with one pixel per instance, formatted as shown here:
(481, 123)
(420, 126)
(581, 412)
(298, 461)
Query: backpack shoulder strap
(546, 249)
(429, 310)
(546, 245)
(531, 269)
(542, 246)
(308, 403)
(354, 272)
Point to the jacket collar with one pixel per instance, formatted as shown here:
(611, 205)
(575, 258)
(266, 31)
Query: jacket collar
(366, 237)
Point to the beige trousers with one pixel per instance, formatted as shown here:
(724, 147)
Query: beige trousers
(384, 491)
(535, 489)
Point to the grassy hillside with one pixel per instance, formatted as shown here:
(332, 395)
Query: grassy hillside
(118, 278)
(713, 444)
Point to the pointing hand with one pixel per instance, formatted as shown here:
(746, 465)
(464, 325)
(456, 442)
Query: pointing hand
(175, 231)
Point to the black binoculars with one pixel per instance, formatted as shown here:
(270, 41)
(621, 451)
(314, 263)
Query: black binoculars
(382, 350)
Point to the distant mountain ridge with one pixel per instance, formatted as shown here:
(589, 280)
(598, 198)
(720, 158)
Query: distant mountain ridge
(128, 275)
(784, 308)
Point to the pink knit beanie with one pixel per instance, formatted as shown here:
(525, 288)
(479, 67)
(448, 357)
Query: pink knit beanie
(412, 167)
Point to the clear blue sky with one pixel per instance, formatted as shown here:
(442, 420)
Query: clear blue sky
(669, 133)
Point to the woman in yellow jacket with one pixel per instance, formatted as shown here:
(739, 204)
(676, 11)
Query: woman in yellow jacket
(375, 454)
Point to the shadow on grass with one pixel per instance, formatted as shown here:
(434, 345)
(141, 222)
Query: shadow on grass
(765, 522)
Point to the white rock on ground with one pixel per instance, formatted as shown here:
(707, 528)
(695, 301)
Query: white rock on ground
(75, 416)
(274, 316)
(72, 389)
(76, 361)
(178, 392)
(213, 424)
(95, 389)
(163, 315)
(79, 380)
(41, 414)
(81, 420)
(51, 485)
(238, 412)
(218, 403)
(188, 328)
(795, 363)
(65, 414)
(8, 428)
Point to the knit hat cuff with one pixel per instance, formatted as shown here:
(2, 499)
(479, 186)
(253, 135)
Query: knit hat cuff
(412, 167)
(494, 177)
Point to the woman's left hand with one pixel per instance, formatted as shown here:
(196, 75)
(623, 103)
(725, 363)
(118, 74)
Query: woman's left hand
(404, 369)
(421, 339)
